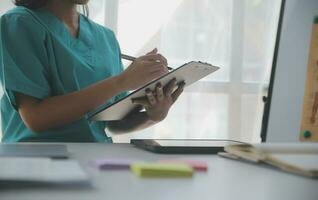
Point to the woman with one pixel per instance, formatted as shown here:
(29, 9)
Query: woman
(57, 66)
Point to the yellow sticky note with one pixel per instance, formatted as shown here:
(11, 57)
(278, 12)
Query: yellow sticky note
(162, 170)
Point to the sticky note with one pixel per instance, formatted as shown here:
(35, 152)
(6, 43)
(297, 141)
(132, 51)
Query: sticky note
(111, 163)
(162, 170)
(195, 164)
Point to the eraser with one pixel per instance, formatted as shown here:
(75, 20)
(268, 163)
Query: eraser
(195, 164)
(111, 163)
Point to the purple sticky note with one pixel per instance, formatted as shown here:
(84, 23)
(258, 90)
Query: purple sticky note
(108, 163)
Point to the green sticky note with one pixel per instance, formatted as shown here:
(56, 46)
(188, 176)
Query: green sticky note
(162, 170)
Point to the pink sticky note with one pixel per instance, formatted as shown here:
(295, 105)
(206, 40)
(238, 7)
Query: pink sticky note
(195, 164)
(111, 163)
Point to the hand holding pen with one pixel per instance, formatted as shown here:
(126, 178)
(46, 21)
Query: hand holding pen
(131, 58)
(143, 70)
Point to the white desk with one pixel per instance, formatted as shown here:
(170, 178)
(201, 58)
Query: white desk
(225, 179)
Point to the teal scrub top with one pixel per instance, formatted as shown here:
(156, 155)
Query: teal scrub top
(40, 58)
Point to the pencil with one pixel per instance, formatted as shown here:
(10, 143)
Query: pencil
(131, 58)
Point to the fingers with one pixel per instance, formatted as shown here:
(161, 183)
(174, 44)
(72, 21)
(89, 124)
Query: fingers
(161, 59)
(159, 92)
(151, 98)
(157, 72)
(149, 57)
(154, 57)
(154, 68)
(165, 61)
(143, 101)
(154, 51)
(157, 67)
(170, 87)
(148, 101)
(137, 108)
(178, 92)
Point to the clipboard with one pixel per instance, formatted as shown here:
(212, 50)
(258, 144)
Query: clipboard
(189, 73)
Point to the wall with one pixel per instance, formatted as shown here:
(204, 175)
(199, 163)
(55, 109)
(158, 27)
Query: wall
(289, 83)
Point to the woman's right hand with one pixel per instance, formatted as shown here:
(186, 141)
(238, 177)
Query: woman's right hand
(143, 70)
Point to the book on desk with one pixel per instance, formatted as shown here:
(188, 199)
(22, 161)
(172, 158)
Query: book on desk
(301, 159)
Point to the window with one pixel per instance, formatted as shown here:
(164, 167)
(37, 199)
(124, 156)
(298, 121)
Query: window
(237, 35)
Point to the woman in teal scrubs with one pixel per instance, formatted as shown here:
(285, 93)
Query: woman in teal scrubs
(57, 66)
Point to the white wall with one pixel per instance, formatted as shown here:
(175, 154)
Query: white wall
(289, 83)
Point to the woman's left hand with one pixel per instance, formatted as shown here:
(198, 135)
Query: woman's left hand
(158, 102)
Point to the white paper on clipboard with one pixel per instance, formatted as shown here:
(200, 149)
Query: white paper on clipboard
(189, 73)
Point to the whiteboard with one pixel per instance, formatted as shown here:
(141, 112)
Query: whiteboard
(289, 82)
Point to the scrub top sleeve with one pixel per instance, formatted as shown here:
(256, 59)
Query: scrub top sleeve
(120, 68)
(24, 66)
(123, 94)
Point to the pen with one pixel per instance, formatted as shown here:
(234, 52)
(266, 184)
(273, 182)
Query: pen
(131, 58)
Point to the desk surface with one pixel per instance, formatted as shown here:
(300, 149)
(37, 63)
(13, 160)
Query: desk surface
(225, 179)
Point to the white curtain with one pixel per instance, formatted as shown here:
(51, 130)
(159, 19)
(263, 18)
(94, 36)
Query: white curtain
(236, 35)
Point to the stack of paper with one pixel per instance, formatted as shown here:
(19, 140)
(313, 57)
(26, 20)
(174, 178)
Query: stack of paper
(34, 150)
(40, 170)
